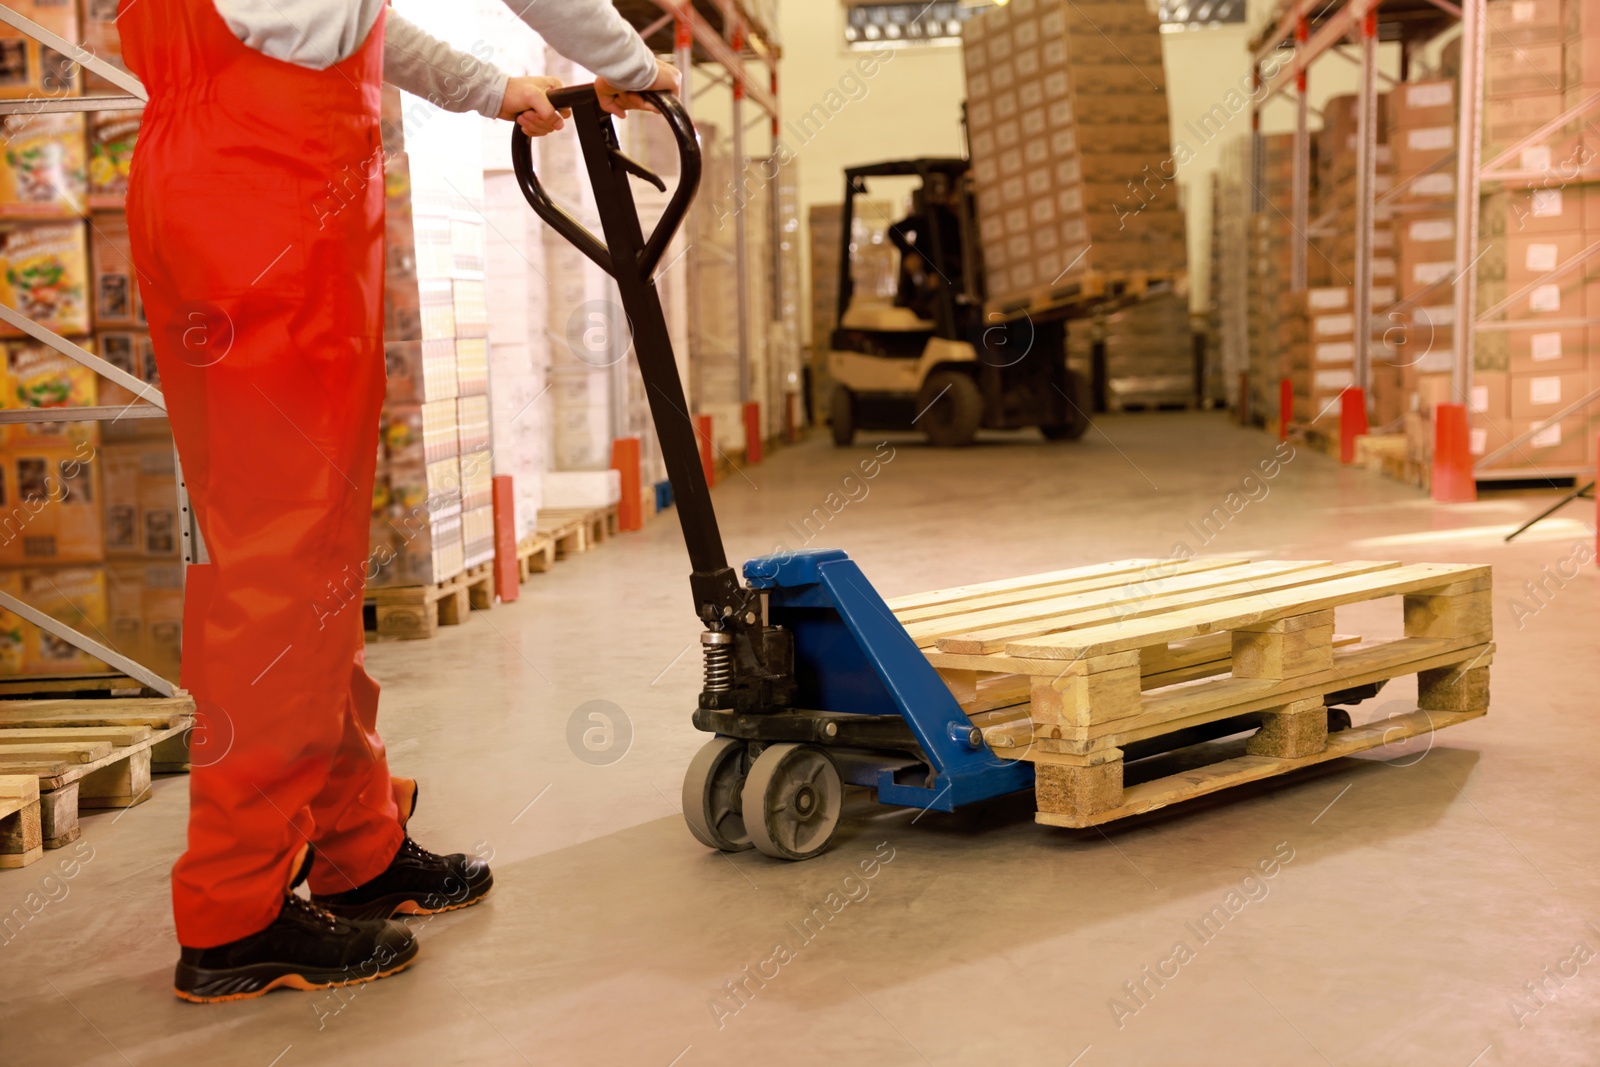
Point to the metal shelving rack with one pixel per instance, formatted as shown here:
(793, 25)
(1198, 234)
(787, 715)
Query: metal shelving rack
(148, 404)
(726, 45)
(1314, 28)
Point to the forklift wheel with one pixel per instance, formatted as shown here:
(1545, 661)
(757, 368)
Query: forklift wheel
(842, 416)
(711, 793)
(799, 795)
(1077, 412)
(950, 409)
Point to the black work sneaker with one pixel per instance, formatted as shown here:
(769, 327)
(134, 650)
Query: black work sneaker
(305, 947)
(417, 882)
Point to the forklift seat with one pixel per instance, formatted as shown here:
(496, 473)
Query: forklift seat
(885, 318)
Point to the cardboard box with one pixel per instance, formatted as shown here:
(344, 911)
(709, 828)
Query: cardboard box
(101, 37)
(141, 500)
(1522, 69)
(1525, 21)
(116, 285)
(1532, 256)
(51, 511)
(75, 596)
(40, 377)
(42, 167)
(45, 276)
(1542, 395)
(29, 69)
(1490, 396)
(1420, 147)
(112, 136)
(145, 608)
(1540, 352)
(1422, 104)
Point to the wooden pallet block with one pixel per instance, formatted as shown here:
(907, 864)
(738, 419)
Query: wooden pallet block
(535, 555)
(479, 582)
(1065, 669)
(417, 611)
(21, 833)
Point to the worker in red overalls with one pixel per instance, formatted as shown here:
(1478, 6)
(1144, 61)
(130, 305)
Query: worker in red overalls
(266, 317)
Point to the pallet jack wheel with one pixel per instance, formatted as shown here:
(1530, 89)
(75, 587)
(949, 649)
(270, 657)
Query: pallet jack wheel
(799, 795)
(712, 788)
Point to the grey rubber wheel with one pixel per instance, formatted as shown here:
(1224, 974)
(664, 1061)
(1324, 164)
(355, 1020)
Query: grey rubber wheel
(712, 791)
(950, 409)
(793, 798)
(842, 416)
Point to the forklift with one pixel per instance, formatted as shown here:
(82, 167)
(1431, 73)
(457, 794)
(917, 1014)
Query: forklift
(932, 359)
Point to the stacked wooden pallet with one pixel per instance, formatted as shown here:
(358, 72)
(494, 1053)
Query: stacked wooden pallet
(63, 754)
(1075, 670)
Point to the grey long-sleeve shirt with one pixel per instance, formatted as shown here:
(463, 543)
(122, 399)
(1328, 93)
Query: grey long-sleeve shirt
(320, 33)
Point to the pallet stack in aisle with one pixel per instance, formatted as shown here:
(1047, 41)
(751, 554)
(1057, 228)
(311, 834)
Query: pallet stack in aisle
(90, 527)
(1149, 350)
(1072, 156)
(1543, 57)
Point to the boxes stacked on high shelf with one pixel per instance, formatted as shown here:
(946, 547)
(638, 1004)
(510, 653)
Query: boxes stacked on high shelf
(1231, 292)
(90, 527)
(1275, 327)
(1423, 117)
(1149, 348)
(1071, 150)
(1327, 365)
(417, 499)
(1543, 57)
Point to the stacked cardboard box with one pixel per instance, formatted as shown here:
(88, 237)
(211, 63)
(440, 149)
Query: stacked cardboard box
(1071, 148)
(416, 502)
(1231, 205)
(1149, 350)
(1276, 325)
(1543, 58)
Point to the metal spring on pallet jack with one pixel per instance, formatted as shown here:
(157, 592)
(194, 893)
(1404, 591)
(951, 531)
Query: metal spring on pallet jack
(718, 649)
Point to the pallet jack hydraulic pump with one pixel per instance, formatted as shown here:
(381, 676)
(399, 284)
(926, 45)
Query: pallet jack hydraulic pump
(810, 681)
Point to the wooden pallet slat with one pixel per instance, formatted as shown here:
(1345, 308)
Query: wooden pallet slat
(1066, 677)
(413, 612)
(535, 555)
(21, 831)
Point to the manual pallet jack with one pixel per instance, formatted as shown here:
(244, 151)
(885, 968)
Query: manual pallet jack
(810, 683)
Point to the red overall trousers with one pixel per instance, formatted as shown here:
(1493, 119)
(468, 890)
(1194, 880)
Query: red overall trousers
(256, 214)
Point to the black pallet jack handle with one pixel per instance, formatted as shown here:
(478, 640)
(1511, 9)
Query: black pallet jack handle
(631, 259)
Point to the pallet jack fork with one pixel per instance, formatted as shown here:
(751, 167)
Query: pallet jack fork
(810, 681)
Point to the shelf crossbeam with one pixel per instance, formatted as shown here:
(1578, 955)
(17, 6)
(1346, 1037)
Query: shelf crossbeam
(77, 53)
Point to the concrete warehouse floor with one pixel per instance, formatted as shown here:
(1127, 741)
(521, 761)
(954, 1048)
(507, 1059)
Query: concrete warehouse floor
(1411, 901)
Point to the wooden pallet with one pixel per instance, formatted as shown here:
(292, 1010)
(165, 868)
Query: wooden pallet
(413, 612)
(21, 837)
(575, 530)
(86, 753)
(1068, 669)
(479, 583)
(535, 555)
(1081, 290)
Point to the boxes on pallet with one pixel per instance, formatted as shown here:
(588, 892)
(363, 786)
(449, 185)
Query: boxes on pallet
(582, 489)
(140, 500)
(45, 276)
(416, 524)
(37, 377)
(1040, 127)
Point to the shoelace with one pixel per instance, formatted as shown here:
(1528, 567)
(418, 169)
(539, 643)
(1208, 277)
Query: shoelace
(310, 911)
(412, 850)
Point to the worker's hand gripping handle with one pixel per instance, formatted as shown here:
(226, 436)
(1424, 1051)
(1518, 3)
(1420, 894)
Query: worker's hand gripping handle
(585, 106)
